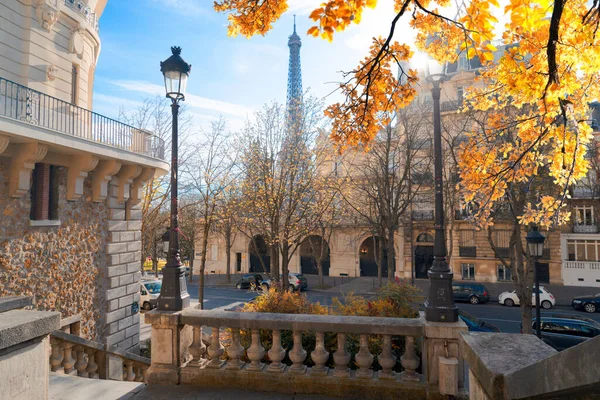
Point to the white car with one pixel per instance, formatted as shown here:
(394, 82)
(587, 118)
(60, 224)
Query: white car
(511, 299)
(149, 292)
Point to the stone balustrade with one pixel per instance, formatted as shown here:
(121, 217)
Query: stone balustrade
(181, 356)
(74, 355)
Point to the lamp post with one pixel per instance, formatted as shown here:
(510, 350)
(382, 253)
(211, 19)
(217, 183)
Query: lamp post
(439, 306)
(173, 293)
(535, 242)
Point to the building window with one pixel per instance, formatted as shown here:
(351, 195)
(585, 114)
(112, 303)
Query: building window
(463, 63)
(504, 273)
(214, 252)
(583, 250)
(466, 244)
(460, 92)
(44, 193)
(74, 84)
(584, 215)
(468, 271)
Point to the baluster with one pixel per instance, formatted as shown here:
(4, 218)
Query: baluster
(364, 358)
(215, 350)
(386, 359)
(320, 356)
(341, 357)
(198, 348)
(409, 361)
(256, 352)
(138, 374)
(298, 355)
(92, 367)
(235, 351)
(68, 360)
(144, 369)
(81, 365)
(130, 376)
(57, 355)
(276, 353)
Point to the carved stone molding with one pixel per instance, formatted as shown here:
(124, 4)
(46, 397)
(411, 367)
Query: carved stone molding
(124, 179)
(4, 141)
(77, 42)
(51, 72)
(47, 12)
(78, 169)
(138, 184)
(103, 173)
(22, 163)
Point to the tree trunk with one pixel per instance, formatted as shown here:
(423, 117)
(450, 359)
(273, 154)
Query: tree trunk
(320, 269)
(391, 255)
(285, 251)
(228, 251)
(203, 266)
(522, 282)
(274, 262)
(380, 254)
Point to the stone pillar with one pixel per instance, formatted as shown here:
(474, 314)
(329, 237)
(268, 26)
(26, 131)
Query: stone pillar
(441, 341)
(170, 347)
(123, 272)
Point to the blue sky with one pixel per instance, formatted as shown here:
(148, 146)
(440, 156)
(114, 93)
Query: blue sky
(230, 76)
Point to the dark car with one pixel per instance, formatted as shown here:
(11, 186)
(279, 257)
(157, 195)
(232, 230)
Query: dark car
(562, 332)
(476, 325)
(247, 279)
(587, 303)
(474, 293)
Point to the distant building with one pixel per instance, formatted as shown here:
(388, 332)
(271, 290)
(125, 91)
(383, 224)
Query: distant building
(70, 179)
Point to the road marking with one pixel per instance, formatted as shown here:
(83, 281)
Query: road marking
(499, 320)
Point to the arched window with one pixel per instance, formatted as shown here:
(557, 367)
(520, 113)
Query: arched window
(425, 238)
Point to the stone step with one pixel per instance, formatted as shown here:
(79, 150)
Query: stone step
(66, 387)
(185, 392)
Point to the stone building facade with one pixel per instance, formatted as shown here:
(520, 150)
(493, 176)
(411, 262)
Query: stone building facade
(70, 179)
(572, 255)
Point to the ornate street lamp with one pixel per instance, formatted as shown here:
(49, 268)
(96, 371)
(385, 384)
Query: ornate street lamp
(439, 306)
(535, 242)
(173, 293)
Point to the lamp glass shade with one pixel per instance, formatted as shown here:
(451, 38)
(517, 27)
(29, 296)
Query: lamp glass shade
(535, 241)
(435, 70)
(176, 72)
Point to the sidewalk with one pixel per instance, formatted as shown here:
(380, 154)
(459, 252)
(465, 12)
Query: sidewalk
(185, 392)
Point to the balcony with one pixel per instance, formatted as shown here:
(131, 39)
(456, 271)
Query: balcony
(585, 191)
(581, 273)
(585, 228)
(81, 8)
(20, 103)
(422, 215)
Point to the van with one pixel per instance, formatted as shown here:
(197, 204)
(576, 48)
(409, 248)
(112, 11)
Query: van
(149, 292)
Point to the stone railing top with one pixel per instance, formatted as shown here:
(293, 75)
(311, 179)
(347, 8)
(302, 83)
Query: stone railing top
(70, 320)
(77, 340)
(492, 356)
(14, 303)
(319, 323)
(18, 326)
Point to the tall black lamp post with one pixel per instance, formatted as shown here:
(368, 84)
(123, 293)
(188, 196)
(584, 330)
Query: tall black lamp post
(439, 306)
(535, 242)
(173, 294)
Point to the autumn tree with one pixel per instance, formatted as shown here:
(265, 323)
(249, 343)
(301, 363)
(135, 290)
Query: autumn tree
(280, 175)
(546, 68)
(154, 115)
(207, 174)
(381, 183)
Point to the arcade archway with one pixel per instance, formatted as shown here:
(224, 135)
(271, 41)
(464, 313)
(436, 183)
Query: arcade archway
(368, 252)
(423, 255)
(260, 260)
(313, 249)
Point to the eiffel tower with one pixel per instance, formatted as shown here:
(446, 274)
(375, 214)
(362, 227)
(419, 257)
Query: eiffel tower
(294, 89)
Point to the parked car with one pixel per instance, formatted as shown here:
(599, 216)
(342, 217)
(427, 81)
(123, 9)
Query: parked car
(246, 279)
(587, 303)
(510, 298)
(297, 282)
(562, 332)
(149, 292)
(475, 324)
(474, 293)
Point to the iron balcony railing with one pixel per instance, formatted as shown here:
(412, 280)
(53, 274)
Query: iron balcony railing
(81, 8)
(23, 104)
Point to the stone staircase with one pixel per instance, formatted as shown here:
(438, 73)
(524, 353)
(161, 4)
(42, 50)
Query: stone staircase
(67, 387)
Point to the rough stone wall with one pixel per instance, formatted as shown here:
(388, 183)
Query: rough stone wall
(60, 267)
